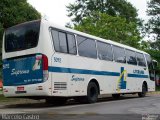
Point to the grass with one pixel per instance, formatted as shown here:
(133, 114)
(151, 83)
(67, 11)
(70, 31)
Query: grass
(157, 88)
(4, 99)
(0, 91)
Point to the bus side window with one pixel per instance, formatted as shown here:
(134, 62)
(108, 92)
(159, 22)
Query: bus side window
(119, 54)
(140, 59)
(104, 51)
(60, 41)
(86, 47)
(150, 67)
(71, 44)
(131, 57)
(55, 38)
(63, 42)
(149, 62)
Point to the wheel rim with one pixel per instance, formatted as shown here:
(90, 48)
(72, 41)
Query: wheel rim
(92, 92)
(143, 90)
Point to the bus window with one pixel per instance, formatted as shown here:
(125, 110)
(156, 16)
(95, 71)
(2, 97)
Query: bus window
(140, 59)
(60, 41)
(22, 37)
(150, 67)
(119, 54)
(71, 44)
(149, 62)
(131, 57)
(86, 47)
(63, 42)
(55, 37)
(104, 51)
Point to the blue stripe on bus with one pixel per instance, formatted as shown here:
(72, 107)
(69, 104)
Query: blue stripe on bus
(137, 76)
(82, 71)
(91, 72)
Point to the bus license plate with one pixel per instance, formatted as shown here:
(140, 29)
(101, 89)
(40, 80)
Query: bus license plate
(21, 88)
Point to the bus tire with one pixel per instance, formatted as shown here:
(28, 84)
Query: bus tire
(144, 91)
(116, 96)
(92, 93)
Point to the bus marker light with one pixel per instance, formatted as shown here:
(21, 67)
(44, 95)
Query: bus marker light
(5, 90)
(45, 67)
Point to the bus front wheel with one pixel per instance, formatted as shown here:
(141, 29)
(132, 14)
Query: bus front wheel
(144, 91)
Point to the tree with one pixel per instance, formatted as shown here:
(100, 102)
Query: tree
(14, 12)
(109, 27)
(110, 19)
(154, 23)
(84, 8)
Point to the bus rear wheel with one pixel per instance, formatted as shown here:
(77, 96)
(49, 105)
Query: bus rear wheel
(144, 91)
(92, 93)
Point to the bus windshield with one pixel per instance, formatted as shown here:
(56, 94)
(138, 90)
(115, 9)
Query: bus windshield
(23, 36)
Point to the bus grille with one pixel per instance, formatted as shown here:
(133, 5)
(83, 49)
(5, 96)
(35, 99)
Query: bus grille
(60, 85)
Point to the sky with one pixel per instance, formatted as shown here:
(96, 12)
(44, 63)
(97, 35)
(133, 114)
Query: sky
(55, 10)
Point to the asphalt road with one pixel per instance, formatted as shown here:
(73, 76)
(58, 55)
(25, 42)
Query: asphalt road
(126, 108)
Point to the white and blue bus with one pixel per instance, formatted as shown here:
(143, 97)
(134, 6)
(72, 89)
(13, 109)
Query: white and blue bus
(45, 61)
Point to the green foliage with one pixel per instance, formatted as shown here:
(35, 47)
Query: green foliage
(13, 12)
(154, 22)
(84, 8)
(157, 88)
(16, 11)
(109, 19)
(109, 27)
(155, 54)
(145, 45)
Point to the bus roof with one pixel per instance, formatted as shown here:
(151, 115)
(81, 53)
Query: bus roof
(50, 24)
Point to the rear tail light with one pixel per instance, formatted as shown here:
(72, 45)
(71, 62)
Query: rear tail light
(45, 67)
(5, 90)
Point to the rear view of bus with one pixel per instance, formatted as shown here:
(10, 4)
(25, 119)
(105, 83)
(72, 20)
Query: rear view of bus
(25, 66)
